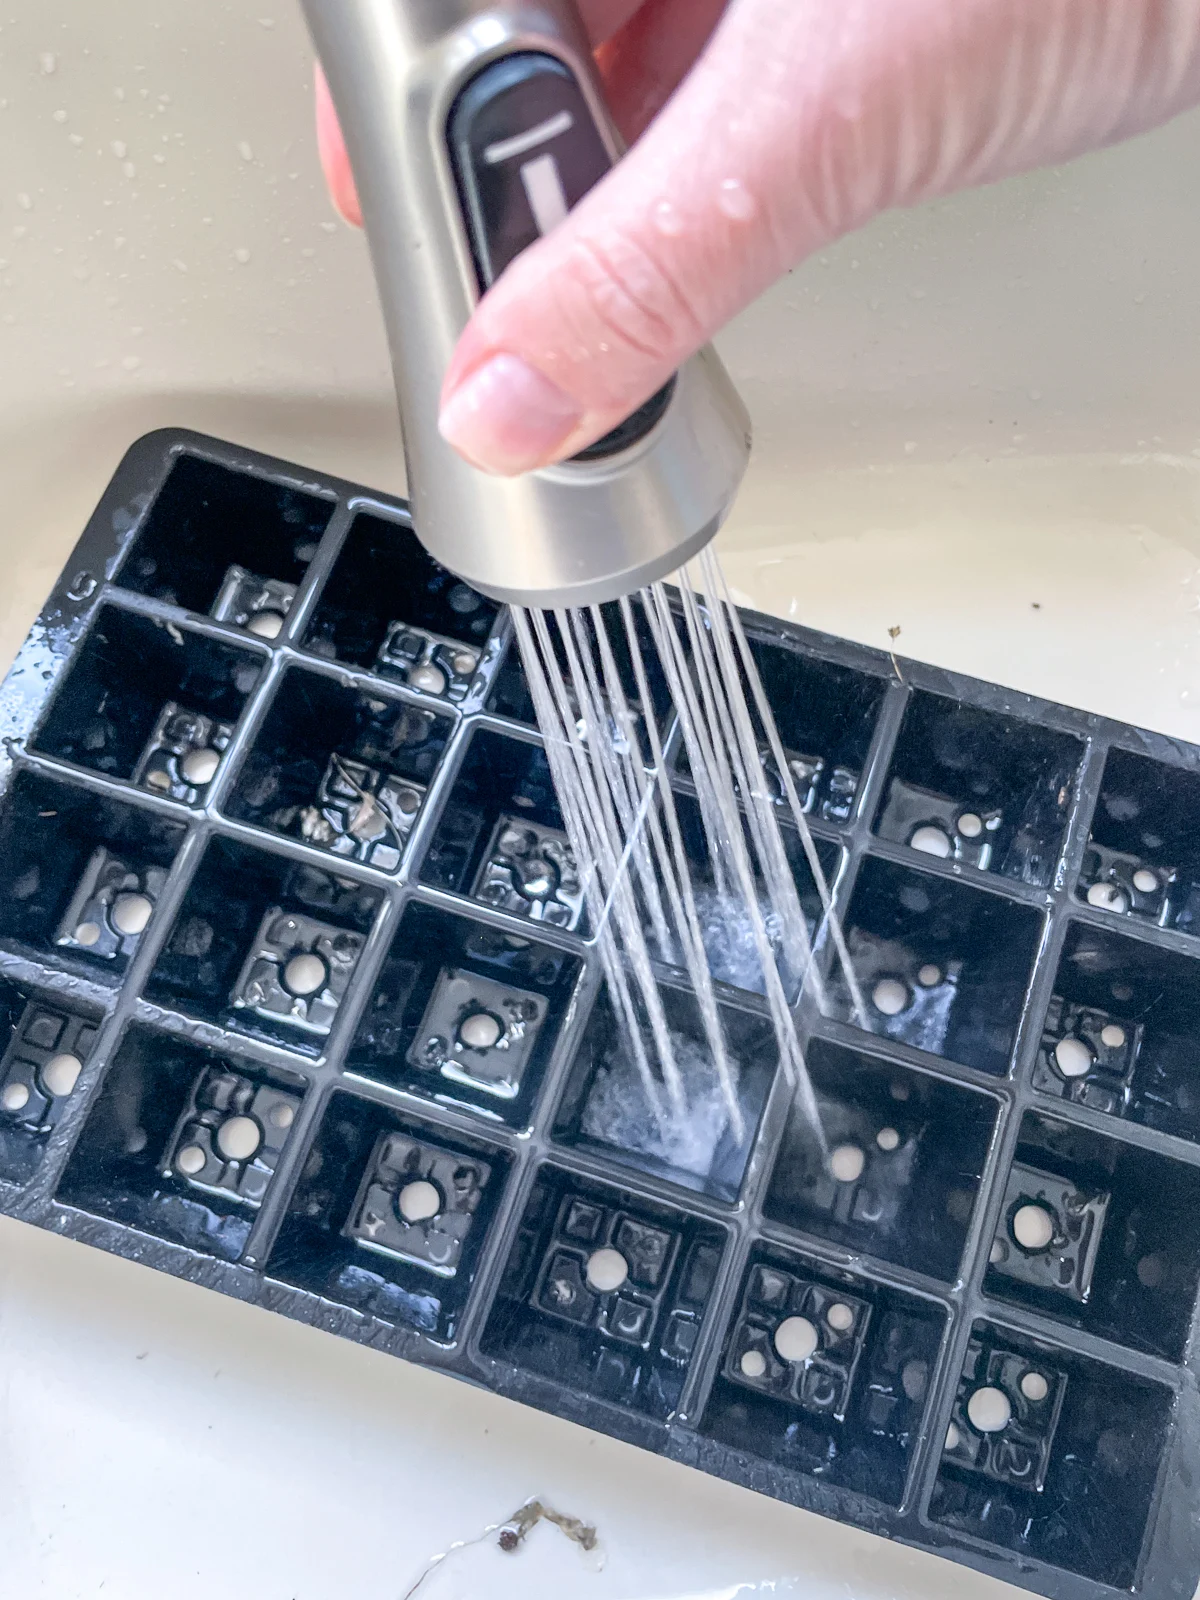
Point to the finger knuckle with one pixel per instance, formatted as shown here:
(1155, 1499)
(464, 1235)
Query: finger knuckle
(632, 297)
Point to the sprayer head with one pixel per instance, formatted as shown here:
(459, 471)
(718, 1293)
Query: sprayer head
(591, 530)
(473, 127)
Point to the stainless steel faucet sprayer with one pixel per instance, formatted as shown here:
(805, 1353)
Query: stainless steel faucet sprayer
(473, 126)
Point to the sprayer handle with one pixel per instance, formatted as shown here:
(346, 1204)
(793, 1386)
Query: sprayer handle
(438, 101)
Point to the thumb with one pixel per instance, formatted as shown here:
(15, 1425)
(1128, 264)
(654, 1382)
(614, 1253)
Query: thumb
(800, 121)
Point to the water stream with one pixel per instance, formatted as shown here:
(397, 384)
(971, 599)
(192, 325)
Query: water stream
(657, 898)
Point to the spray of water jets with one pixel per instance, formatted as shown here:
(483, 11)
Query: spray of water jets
(611, 772)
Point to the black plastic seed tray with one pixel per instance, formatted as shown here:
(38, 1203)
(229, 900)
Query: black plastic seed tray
(298, 1002)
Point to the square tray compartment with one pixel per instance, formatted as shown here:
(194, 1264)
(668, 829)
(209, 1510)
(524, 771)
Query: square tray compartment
(206, 519)
(1120, 1033)
(67, 858)
(728, 938)
(907, 1153)
(137, 681)
(343, 769)
(943, 966)
(1094, 1441)
(501, 839)
(1143, 855)
(246, 915)
(383, 585)
(825, 1374)
(604, 1294)
(390, 1217)
(182, 1142)
(826, 717)
(1090, 1234)
(442, 971)
(992, 791)
(605, 1111)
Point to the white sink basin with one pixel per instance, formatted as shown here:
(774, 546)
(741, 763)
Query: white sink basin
(978, 424)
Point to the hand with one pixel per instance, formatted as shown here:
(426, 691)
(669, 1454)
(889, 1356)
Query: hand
(764, 130)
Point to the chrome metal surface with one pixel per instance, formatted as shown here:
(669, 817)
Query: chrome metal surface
(569, 535)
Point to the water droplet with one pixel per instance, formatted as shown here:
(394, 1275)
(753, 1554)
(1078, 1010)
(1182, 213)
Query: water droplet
(667, 219)
(129, 169)
(736, 201)
(60, 116)
(76, 139)
(180, 266)
(241, 254)
(266, 22)
(131, 363)
(25, 201)
(329, 227)
(119, 148)
(245, 150)
(49, 63)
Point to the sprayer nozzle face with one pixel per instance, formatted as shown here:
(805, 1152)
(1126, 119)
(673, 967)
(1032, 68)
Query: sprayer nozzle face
(598, 589)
